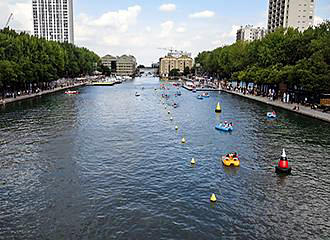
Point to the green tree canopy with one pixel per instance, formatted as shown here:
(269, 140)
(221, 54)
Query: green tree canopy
(296, 58)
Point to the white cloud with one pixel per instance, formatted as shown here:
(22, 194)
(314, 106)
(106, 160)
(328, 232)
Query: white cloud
(230, 34)
(225, 38)
(197, 37)
(166, 28)
(180, 30)
(111, 40)
(168, 7)
(217, 42)
(22, 14)
(119, 20)
(318, 20)
(203, 14)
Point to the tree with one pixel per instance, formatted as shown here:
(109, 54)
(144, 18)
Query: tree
(27, 60)
(186, 71)
(174, 73)
(301, 60)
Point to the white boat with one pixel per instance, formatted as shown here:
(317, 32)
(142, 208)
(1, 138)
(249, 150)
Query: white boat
(71, 92)
(271, 114)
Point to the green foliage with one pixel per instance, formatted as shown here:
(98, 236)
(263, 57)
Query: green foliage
(174, 73)
(286, 55)
(186, 71)
(25, 59)
(104, 70)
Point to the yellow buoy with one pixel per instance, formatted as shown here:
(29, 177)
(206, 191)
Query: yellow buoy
(193, 161)
(183, 140)
(218, 108)
(213, 198)
(176, 127)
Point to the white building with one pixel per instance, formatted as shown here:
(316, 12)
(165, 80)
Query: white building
(53, 20)
(290, 13)
(250, 33)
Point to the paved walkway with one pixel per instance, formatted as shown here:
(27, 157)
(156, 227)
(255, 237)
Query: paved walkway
(20, 98)
(307, 111)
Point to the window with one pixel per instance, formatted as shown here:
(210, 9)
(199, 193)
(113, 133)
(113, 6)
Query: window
(310, 17)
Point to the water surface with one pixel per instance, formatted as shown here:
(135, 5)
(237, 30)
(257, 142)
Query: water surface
(108, 165)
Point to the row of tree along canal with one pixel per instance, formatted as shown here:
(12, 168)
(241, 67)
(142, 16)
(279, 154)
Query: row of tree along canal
(298, 62)
(29, 64)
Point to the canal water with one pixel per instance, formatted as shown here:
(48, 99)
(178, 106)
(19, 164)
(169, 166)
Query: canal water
(105, 164)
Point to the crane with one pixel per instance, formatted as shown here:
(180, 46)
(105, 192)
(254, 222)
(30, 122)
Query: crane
(8, 21)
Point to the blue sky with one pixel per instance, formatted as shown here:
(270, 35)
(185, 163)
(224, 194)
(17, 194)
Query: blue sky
(141, 27)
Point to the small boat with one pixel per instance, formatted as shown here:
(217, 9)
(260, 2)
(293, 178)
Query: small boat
(194, 90)
(137, 94)
(178, 93)
(71, 92)
(271, 114)
(200, 97)
(175, 105)
(205, 95)
(283, 165)
(230, 159)
(224, 127)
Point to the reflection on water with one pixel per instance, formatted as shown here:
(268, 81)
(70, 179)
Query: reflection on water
(108, 165)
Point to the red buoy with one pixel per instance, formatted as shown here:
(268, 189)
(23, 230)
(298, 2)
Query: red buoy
(283, 165)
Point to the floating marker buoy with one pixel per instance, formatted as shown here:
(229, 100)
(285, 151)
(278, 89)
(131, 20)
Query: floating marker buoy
(176, 127)
(218, 108)
(193, 161)
(283, 165)
(183, 140)
(213, 198)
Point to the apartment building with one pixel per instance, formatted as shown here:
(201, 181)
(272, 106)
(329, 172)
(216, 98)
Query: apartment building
(126, 65)
(53, 20)
(250, 33)
(290, 13)
(110, 62)
(170, 62)
(121, 66)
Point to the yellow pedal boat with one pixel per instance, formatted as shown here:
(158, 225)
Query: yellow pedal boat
(230, 160)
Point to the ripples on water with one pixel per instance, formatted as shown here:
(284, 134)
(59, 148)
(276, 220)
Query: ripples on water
(107, 165)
